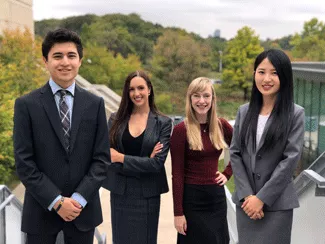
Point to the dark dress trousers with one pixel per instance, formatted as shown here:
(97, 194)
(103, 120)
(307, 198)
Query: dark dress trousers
(48, 170)
(136, 184)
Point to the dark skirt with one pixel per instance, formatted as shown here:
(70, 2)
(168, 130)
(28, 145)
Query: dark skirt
(134, 218)
(275, 227)
(205, 210)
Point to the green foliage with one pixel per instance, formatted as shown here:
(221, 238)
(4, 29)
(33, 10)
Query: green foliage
(118, 33)
(310, 44)
(282, 43)
(285, 42)
(102, 67)
(20, 62)
(73, 23)
(239, 58)
(177, 59)
(228, 101)
(231, 182)
(215, 46)
(164, 104)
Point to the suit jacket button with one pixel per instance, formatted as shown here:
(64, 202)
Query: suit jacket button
(258, 176)
(259, 156)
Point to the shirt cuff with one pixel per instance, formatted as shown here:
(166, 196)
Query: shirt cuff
(80, 199)
(53, 203)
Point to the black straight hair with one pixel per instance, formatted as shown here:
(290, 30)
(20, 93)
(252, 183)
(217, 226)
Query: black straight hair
(126, 106)
(61, 35)
(282, 112)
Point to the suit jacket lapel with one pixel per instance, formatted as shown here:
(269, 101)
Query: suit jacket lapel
(149, 130)
(79, 104)
(51, 110)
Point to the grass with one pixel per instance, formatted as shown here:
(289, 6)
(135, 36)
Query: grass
(228, 101)
(230, 184)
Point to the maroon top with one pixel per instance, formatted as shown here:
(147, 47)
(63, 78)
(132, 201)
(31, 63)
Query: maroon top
(195, 167)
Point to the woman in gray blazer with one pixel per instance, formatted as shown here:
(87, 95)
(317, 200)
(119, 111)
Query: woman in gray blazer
(139, 137)
(266, 146)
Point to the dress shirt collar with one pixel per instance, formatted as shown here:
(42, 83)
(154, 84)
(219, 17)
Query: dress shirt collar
(55, 87)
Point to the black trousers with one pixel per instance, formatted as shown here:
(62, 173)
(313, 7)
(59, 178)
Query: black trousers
(71, 235)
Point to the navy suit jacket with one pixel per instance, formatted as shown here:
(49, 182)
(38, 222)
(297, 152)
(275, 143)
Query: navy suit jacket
(47, 169)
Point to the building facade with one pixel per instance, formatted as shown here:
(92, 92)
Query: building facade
(16, 14)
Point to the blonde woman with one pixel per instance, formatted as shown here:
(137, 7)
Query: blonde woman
(200, 207)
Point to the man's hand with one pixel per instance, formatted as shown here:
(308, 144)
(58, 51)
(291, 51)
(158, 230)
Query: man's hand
(180, 224)
(253, 207)
(158, 147)
(69, 210)
(116, 157)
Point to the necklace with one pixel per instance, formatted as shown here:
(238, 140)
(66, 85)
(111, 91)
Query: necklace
(206, 128)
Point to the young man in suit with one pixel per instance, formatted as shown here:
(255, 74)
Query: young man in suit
(61, 149)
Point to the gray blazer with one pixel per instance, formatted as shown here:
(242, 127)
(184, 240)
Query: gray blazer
(272, 179)
(150, 171)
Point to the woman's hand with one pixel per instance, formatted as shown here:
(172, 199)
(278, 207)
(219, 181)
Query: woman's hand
(116, 157)
(180, 224)
(158, 147)
(253, 207)
(221, 178)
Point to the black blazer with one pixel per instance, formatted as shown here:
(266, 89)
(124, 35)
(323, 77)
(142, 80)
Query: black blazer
(47, 169)
(151, 171)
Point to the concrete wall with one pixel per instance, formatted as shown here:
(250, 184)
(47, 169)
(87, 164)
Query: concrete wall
(16, 13)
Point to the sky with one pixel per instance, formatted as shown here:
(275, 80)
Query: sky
(269, 18)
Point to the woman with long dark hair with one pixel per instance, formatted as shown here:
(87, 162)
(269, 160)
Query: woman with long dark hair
(139, 140)
(266, 146)
(200, 207)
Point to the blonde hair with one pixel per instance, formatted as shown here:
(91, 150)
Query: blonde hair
(193, 125)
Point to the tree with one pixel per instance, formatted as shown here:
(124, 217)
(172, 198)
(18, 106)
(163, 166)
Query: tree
(239, 58)
(164, 103)
(216, 45)
(21, 71)
(310, 44)
(177, 59)
(102, 67)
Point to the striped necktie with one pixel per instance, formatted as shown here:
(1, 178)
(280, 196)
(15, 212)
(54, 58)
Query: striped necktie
(65, 118)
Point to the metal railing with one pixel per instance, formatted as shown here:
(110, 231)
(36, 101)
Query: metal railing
(231, 217)
(309, 217)
(10, 220)
(312, 175)
(10, 217)
(319, 180)
(231, 208)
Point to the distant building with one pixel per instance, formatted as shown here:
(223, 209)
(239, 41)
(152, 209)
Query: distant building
(217, 33)
(16, 13)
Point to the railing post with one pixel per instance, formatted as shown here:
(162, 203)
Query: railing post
(2, 219)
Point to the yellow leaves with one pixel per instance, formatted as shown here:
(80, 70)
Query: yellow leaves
(21, 71)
